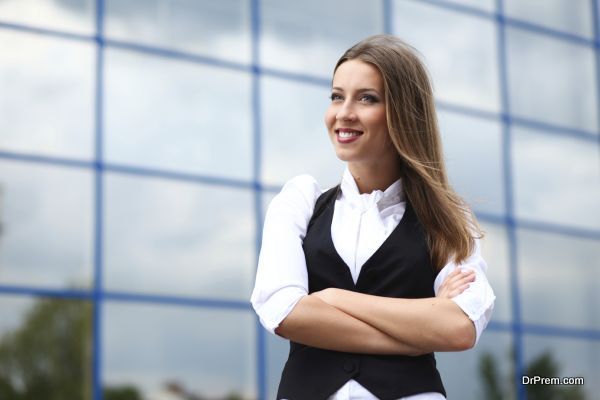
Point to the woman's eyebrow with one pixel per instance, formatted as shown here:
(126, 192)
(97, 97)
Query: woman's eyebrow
(358, 90)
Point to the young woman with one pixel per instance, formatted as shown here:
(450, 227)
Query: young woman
(369, 278)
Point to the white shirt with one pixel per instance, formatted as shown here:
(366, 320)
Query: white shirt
(361, 223)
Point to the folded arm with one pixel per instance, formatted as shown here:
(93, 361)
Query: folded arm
(315, 323)
(451, 321)
(280, 296)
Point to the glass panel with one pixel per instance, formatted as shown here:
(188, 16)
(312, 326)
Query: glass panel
(308, 37)
(45, 348)
(214, 28)
(562, 357)
(556, 178)
(485, 5)
(472, 148)
(564, 15)
(73, 15)
(483, 373)
(494, 249)
(180, 116)
(550, 80)
(295, 139)
(171, 352)
(459, 50)
(277, 354)
(46, 217)
(178, 238)
(49, 109)
(558, 276)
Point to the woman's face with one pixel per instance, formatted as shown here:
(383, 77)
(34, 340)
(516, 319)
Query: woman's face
(356, 119)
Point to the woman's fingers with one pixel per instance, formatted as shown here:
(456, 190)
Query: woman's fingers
(456, 282)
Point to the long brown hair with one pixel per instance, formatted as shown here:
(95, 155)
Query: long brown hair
(449, 224)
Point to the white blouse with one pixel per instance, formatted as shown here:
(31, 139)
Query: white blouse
(361, 223)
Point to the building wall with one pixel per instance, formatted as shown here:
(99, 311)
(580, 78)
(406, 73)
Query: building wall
(141, 142)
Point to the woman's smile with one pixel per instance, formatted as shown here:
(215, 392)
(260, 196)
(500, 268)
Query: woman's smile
(347, 135)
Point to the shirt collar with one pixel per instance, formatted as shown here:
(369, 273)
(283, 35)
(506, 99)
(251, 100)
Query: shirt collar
(383, 199)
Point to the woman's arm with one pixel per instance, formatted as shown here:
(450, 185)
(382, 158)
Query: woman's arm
(429, 324)
(315, 323)
(280, 296)
(451, 321)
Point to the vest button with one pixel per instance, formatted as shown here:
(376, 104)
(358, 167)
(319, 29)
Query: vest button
(349, 366)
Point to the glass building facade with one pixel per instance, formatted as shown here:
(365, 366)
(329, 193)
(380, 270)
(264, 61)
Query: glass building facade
(141, 142)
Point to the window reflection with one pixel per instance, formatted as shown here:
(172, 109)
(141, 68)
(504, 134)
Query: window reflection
(48, 354)
(558, 276)
(46, 110)
(472, 152)
(295, 140)
(76, 16)
(162, 350)
(484, 371)
(464, 65)
(178, 116)
(178, 238)
(46, 218)
(550, 80)
(309, 36)
(214, 28)
(562, 357)
(564, 15)
(556, 179)
(494, 249)
(276, 355)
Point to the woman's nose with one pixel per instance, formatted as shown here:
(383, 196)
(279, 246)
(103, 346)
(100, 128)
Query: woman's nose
(346, 113)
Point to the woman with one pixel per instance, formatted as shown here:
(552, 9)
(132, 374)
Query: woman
(369, 278)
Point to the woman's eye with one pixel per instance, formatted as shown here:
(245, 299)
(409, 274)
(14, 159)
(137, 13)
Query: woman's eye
(367, 98)
(335, 96)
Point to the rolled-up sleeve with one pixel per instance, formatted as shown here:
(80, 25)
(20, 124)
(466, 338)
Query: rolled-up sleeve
(281, 276)
(477, 301)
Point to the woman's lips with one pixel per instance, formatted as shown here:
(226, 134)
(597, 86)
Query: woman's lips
(345, 136)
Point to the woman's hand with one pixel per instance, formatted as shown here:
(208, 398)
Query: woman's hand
(455, 283)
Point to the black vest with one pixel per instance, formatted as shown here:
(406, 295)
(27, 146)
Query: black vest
(401, 267)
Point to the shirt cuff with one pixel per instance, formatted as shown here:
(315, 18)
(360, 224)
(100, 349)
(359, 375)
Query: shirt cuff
(277, 307)
(478, 304)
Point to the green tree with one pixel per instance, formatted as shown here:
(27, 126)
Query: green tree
(50, 355)
(497, 387)
(47, 357)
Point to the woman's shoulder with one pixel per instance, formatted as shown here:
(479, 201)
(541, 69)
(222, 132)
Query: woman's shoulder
(301, 188)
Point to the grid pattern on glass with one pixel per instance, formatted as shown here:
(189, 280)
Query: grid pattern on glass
(308, 37)
(46, 234)
(159, 350)
(574, 17)
(164, 114)
(471, 153)
(556, 179)
(175, 238)
(464, 69)
(46, 111)
(559, 276)
(211, 28)
(550, 80)
(295, 139)
(256, 18)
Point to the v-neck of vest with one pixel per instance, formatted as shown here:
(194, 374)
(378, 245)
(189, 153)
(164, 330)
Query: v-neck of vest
(408, 214)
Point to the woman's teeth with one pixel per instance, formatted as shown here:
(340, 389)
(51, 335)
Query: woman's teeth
(348, 134)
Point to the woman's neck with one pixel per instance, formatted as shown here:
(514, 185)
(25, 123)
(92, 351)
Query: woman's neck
(374, 176)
